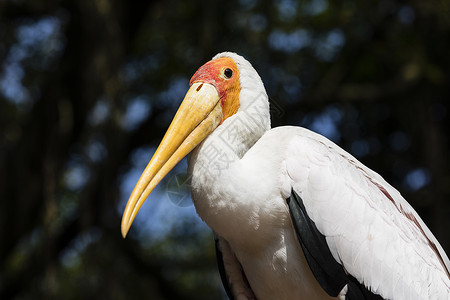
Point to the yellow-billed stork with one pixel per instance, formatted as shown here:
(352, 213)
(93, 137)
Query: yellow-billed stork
(294, 215)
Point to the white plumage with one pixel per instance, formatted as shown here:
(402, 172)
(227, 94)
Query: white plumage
(369, 234)
(241, 175)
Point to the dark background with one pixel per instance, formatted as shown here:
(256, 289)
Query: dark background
(88, 87)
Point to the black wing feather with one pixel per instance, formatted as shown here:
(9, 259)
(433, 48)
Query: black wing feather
(328, 272)
(222, 271)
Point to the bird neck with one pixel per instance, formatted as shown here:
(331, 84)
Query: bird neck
(214, 161)
(231, 139)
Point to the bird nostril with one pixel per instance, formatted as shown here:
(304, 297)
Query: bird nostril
(199, 87)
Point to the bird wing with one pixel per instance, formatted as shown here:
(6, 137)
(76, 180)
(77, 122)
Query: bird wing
(368, 226)
(329, 273)
(231, 273)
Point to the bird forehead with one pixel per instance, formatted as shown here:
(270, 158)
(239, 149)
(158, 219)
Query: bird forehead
(213, 72)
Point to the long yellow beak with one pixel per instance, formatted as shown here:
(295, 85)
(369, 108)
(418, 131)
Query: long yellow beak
(199, 114)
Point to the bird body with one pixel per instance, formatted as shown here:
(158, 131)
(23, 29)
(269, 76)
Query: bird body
(255, 222)
(241, 173)
(369, 234)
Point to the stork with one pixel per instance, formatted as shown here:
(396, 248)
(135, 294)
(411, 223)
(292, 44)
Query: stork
(294, 215)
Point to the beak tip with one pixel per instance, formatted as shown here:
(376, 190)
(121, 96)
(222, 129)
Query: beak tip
(124, 230)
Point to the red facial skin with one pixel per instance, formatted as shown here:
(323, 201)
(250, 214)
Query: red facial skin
(213, 72)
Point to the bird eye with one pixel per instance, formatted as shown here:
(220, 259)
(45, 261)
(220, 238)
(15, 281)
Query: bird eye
(228, 73)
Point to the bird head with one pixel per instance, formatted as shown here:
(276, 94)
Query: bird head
(213, 96)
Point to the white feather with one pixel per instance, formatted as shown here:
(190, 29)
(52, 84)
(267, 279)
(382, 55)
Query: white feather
(373, 232)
